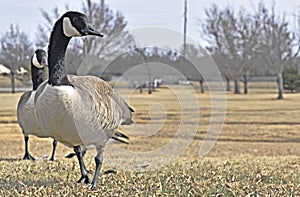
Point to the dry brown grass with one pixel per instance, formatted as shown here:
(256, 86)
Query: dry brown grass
(257, 152)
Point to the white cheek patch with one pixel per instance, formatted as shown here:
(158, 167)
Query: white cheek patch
(36, 63)
(69, 29)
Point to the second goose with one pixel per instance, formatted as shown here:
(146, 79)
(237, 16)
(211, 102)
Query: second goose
(25, 110)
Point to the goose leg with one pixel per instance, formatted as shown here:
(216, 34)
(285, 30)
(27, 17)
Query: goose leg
(98, 161)
(53, 150)
(84, 174)
(73, 154)
(27, 155)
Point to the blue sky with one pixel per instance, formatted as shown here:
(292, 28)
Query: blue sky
(138, 13)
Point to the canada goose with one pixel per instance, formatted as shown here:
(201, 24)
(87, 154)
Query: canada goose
(25, 110)
(79, 111)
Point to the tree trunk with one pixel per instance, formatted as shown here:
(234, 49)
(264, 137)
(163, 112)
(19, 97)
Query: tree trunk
(245, 85)
(149, 87)
(280, 86)
(201, 86)
(153, 86)
(141, 89)
(12, 82)
(237, 87)
(227, 84)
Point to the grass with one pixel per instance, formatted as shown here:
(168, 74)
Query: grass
(257, 152)
(237, 176)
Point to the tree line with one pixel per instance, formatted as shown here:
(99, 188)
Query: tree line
(243, 43)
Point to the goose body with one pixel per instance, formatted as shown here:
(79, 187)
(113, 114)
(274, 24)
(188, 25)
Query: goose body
(79, 111)
(26, 116)
(86, 113)
(25, 110)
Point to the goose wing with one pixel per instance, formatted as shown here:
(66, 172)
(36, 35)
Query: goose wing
(98, 96)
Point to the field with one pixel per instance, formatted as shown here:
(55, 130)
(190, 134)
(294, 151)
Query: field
(256, 154)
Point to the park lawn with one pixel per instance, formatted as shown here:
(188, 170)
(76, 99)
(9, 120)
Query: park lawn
(257, 151)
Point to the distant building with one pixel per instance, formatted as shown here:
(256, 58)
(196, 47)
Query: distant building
(3, 70)
(22, 71)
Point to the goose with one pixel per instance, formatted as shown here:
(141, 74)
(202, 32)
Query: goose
(25, 110)
(78, 111)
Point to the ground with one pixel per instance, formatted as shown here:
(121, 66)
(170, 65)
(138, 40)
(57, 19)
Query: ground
(257, 152)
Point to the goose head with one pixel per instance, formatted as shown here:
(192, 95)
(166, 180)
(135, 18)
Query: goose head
(39, 58)
(76, 24)
(71, 24)
(38, 62)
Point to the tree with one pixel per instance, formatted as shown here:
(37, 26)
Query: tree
(232, 36)
(16, 50)
(194, 53)
(223, 64)
(276, 43)
(143, 54)
(113, 25)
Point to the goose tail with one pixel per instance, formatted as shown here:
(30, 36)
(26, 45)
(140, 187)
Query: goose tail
(121, 136)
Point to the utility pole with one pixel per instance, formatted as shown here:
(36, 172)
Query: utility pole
(184, 27)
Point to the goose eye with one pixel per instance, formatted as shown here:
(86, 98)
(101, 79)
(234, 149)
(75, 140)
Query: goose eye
(75, 19)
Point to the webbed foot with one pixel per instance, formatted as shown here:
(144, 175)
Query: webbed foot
(27, 156)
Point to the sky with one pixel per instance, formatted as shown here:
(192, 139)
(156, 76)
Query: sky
(139, 13)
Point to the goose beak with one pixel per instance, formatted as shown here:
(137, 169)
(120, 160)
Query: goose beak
(44, 62)
(90, 30)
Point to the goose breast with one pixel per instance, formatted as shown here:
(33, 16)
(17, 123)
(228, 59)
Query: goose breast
(26, 116)
(86, 112)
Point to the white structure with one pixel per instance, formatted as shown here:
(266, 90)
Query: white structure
(4, 70)
(21, 71)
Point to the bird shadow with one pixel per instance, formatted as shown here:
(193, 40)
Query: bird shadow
(20, 184)
(11, 159)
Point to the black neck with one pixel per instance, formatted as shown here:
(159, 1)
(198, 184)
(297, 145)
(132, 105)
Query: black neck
(37, 76)
(56, 56)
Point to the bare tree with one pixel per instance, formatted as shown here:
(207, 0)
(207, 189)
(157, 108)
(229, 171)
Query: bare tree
(194, 53)
(232, 36)
(223, 64)
(112, 25)
(44, 29)
(16, 50)
(276, 43)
